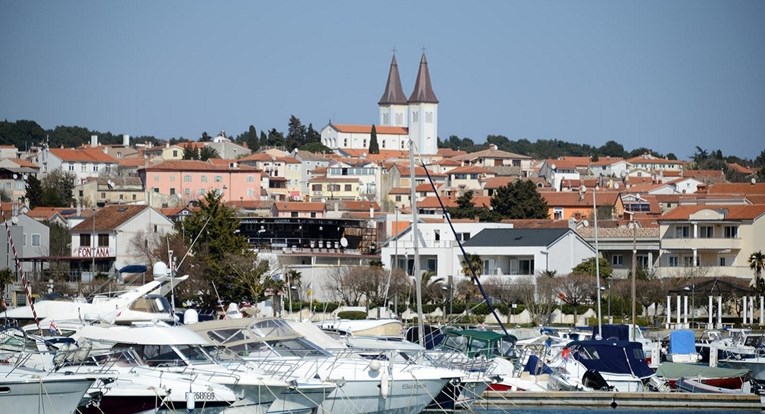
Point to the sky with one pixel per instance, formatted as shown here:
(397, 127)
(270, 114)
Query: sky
(666, 75)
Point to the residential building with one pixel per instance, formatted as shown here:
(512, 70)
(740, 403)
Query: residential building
(83, 163)
(710, 240)
(102, 242)
(113, 190)
(298, 209)
(175, 183)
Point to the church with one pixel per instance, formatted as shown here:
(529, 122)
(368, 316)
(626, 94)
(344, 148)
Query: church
(401, 119)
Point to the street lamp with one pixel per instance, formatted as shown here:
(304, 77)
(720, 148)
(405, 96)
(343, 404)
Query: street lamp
(604, 289)
(451, 299)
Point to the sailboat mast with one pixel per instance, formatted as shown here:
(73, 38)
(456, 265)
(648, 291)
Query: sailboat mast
(416, 237)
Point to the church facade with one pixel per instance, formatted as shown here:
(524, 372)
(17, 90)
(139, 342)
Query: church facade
(401, 119)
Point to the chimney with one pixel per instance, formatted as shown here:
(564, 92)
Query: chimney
(125, 140)
(94, 140)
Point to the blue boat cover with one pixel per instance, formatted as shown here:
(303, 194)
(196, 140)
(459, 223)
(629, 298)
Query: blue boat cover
(535, 367)
(618, 332)
(618, 357)
(682, 341)
(133, 269)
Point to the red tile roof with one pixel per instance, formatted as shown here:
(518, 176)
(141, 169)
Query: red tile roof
(109, 217)
(572, 199)
(194, 165)
(367, 129)
(88, 154)
(731, 211)
(737, 188)
(299, 206)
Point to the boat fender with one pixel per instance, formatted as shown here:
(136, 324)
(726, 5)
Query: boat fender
(374, 365)
(190, 402)
(384, 385)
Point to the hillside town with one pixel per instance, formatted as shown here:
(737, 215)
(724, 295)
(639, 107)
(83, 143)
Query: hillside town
(313, 213)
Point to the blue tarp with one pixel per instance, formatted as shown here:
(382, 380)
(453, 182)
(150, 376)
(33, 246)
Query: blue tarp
(620, 357)
(133, 269)
(682, 341)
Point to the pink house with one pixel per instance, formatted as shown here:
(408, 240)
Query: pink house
(298, 209)
(174, 183)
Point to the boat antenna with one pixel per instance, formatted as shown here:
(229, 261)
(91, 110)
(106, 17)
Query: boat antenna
(462, 249)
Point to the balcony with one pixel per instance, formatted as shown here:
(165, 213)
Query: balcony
(701, 244)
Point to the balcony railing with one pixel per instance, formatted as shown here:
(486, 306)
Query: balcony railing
(701, 244)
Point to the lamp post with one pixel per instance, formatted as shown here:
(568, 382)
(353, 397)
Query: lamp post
(608, 289)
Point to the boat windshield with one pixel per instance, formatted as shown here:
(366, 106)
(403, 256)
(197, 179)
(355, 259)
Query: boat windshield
(269, 328)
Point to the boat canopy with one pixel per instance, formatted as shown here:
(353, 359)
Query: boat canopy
(676, 370)
(682, 341)
(617, 357)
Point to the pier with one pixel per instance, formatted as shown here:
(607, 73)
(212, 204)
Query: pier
(605, 399)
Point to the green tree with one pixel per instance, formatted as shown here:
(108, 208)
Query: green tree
(316, 148)
(465, 207)
(275, 138)
(208, 152)
(190, 152)
(205, 137)
(473, 261)
(219, 246)
(6, 277)
(57, 189)
(34, 191)
(249, 138)
(374, 147)
(757, 263)
(519, 200)
(296, 134)
(312, 135)
(612, 149)
(588, 267)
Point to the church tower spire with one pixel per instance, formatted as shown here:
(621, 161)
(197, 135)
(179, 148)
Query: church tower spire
(393, 104)
(423, 112)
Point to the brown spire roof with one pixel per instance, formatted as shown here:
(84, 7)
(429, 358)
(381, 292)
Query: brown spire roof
(394, 94)
(423, 90)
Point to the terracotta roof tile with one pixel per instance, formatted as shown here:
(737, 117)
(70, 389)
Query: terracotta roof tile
(731, 212)
(88, 154)
(109, 218)
(299, 206)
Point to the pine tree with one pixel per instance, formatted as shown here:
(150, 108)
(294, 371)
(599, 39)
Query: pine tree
(374, 147)
(519, 200)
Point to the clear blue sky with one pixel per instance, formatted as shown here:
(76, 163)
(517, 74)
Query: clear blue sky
(668, 75)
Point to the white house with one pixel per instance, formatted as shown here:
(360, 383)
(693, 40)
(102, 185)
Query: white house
(102, 242)
(438, 248)
(525, 252)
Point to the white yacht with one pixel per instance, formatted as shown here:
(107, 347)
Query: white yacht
(383, 385)
(179, 350)
(23, 390)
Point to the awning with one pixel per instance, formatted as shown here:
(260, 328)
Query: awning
(133, 269)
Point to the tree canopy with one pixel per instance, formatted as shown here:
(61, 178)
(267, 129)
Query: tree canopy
(519, 200)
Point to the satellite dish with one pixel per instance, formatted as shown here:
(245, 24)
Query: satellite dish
(15, 176)
(344, 242)
(15, 219)
(586, 223)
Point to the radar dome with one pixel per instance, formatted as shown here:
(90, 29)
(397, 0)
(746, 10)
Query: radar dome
(160, 270)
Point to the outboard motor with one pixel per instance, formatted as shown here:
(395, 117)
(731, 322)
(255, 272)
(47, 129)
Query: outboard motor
(593, 379)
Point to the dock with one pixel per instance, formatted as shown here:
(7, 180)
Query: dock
(608, 399)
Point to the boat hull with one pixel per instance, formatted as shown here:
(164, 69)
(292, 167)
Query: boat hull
(42, 395)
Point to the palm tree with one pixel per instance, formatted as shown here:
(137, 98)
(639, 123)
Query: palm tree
(472, 261)
(431, 286)
(757, 264)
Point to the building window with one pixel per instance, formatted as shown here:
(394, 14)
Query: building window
(383, 143)
(345, 143)
(558, 213)
(95, 168)
(250, 192)
(431, 265)
(175, 153)
(682, 232)
(156, 178)
(133, 197)
(415, 116)
(103, 195)
(25, 240)
(103, 240)
(688, 261)
(525, 266)
(706, 232)
(730, 232)
(437, 235)
(294, 214)
(348, 187)
(187, 178)
(722, 261)
(71, 167)
(617, 260)
(84, 240)
(203, 178)
(172, 178)
(250, 179)
(218, 178)
(364, 143)
(172, 191)
(35, 240)
(313, 214)
(187, 191)
(398, 198)
(673, 261)
(201, 191)
(122, 196)
(316, 187)
(642, 261)
(463, 237)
